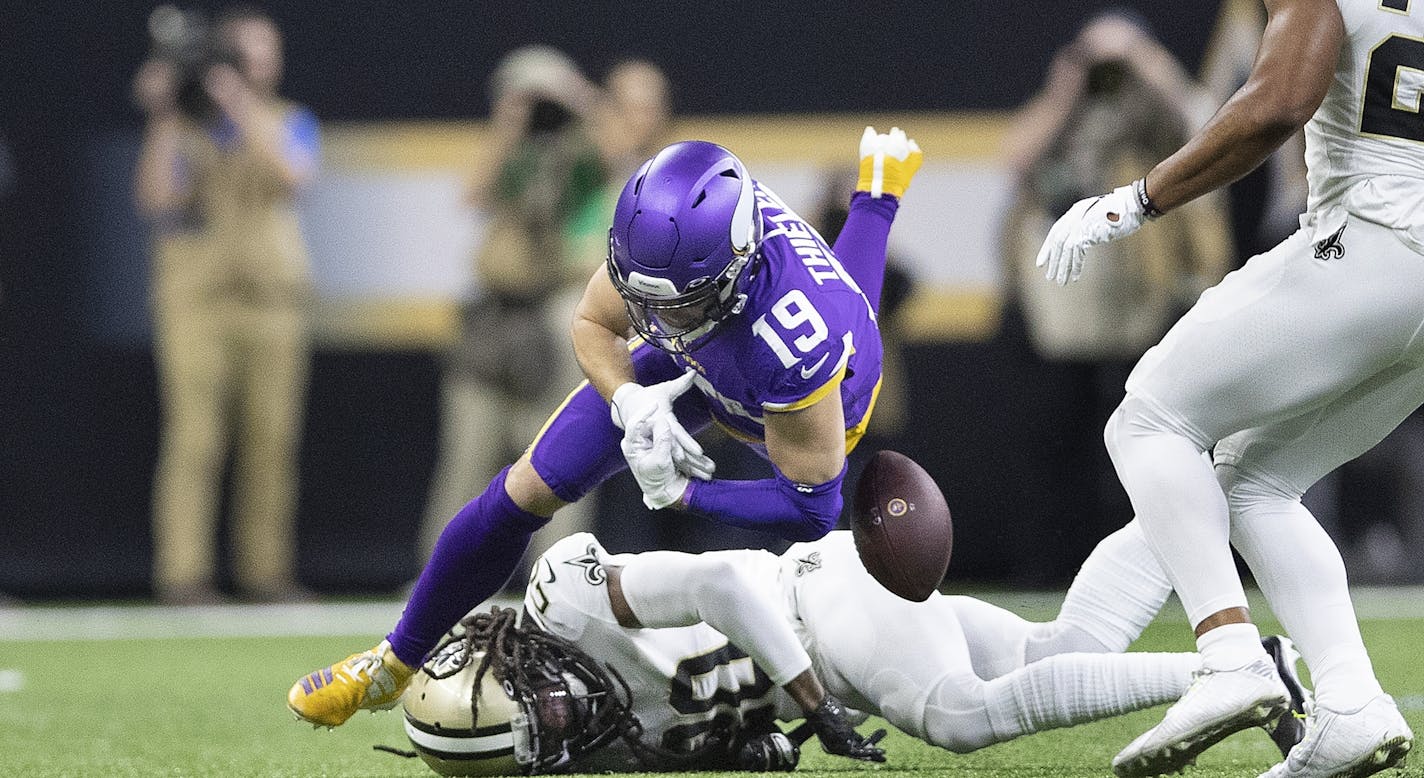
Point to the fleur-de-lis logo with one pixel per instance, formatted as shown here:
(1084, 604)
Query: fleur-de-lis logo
(592, 568)
(1331, 247)
(806, 564)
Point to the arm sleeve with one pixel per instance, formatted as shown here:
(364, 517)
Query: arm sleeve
(861, 243)
(723, 590)
(794, 511)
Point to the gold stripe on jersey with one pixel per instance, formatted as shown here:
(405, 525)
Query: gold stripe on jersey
(555, 415)
(811, 399)
(854, 434)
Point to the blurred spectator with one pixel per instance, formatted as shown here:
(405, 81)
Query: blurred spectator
(222, 159)
(633, 117)
(542, 170)
(1114, 102)
(630, 123)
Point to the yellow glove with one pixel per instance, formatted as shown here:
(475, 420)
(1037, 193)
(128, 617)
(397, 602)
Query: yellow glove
(887, 162)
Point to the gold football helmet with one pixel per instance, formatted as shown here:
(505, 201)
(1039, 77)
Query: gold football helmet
(440, 716)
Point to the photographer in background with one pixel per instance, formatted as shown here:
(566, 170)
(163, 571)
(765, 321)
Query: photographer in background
(222, 159)
(539, 170)
(1113, 100)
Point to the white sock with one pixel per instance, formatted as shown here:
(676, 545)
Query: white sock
(1179, 504)
(1069, 689)
(1230, 646)
(1300, 571)
(1116, 594)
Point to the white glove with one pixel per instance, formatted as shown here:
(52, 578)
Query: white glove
(634, 402)
(1089, 222)
(635, 406)
(648, 448)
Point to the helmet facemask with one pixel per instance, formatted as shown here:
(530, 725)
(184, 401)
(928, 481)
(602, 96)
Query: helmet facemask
(682, 321)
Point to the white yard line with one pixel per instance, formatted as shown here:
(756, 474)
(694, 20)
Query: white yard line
(141, 622)
(120, 622)
(1372, 603)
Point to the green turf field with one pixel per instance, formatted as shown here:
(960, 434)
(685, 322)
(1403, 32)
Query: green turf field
(214, 706)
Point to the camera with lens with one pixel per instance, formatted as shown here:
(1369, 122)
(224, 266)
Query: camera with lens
(1107, 78)
(185, 39)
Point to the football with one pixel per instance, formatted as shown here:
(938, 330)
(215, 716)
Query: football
(901, 526)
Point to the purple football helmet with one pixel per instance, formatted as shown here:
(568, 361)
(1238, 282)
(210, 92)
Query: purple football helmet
(684, 243)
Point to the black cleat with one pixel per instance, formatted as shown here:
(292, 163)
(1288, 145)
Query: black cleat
(1289, 729)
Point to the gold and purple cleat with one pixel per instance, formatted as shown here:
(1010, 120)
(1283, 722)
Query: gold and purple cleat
(371, 680)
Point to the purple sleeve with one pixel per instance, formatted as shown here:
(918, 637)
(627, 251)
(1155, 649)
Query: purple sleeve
(861, 245)
(797, 512)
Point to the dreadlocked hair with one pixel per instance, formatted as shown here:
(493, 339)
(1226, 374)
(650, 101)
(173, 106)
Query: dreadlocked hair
(526, 659)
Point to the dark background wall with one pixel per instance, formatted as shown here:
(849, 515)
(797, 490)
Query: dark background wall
(79, 412)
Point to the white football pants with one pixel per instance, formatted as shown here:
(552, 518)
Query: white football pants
(1300, 361)
(952, 671)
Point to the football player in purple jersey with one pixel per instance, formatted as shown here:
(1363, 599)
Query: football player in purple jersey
(727, 290)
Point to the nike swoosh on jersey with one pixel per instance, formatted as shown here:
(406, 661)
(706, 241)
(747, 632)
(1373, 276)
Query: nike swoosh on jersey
(807, 372)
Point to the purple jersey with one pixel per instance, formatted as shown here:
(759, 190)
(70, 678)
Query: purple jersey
(807, 329)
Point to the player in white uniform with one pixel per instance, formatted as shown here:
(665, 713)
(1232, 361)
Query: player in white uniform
(1295, 364)
(953, 671)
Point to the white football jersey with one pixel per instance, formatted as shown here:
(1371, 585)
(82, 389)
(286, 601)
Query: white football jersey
(1365, 144)
(684, 680)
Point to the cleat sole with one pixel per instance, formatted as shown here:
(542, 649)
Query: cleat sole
(1176, 756)
(1390, 753)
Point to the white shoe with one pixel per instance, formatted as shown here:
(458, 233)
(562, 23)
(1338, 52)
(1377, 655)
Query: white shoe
(1348, 745)
(1217, 704)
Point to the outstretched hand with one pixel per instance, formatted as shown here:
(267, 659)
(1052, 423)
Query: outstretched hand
(830, 723)
(1090, 222)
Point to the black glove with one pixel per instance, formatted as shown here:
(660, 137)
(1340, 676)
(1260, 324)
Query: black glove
(837, 735)
(770, 753)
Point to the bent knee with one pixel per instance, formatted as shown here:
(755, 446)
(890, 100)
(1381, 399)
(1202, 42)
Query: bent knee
(1136, 421)
(1245, 490)
(959, 736)
(956, 716)
(528, 490)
